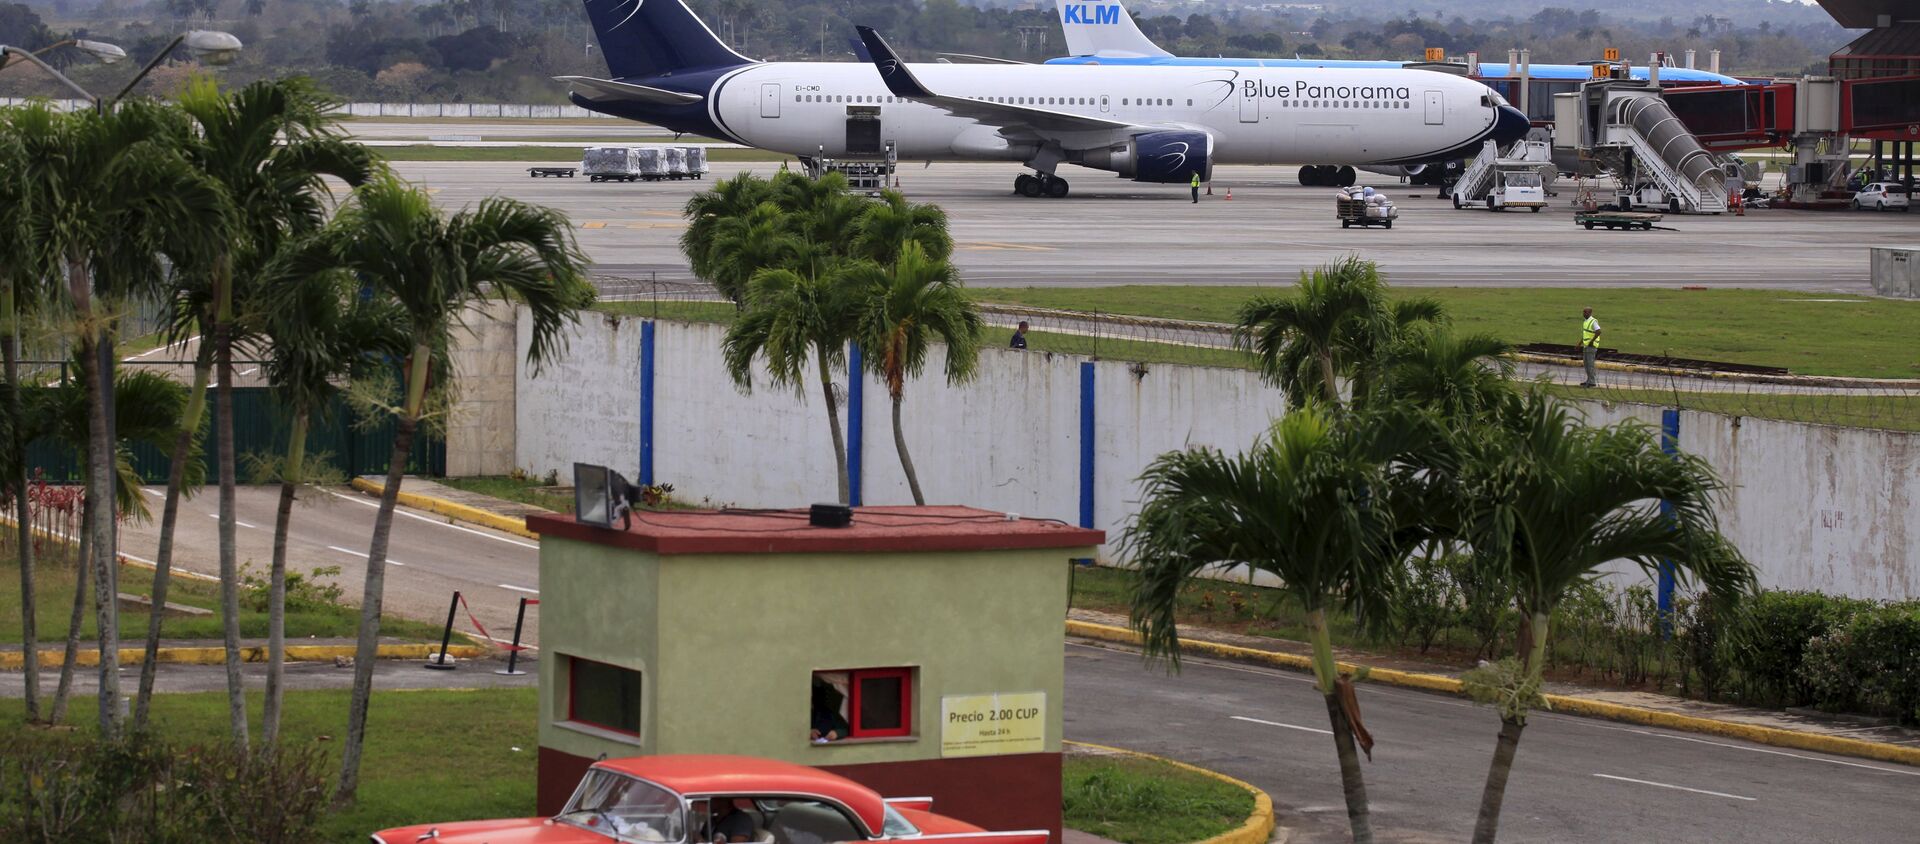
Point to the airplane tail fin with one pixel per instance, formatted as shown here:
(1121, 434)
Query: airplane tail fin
(643, 38)
(1103, 28)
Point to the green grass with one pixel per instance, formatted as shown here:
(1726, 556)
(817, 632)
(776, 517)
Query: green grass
(1142, 801)
(525, 491)
(53, 596)
(1886, 411)
(432, 756)
(428, 152)
(1854, 335)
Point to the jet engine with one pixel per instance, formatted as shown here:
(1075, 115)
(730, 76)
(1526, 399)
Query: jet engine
(1167, 157)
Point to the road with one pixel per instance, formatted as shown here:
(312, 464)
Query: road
(1111, 231)
(430, 557)
(1574, 779)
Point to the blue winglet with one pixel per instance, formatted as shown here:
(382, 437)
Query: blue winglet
(893, 70)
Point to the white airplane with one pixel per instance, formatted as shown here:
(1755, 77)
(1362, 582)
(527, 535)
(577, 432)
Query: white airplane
(1148, 124)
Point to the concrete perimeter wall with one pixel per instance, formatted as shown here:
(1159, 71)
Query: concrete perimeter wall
(1814, 507)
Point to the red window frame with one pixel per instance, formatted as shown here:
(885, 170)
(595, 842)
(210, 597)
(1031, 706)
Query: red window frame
(854, 679)
(573, 695)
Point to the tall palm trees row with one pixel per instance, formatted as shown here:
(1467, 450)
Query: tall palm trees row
(814, 268)
(220, 207)
(1409, 439)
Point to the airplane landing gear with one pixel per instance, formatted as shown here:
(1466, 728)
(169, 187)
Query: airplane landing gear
(1040, 184)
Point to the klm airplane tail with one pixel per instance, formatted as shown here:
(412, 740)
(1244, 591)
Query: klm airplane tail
(653, 38)
(1103, 28)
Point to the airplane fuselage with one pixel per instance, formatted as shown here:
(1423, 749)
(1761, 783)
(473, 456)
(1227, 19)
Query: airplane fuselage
(1254, 115)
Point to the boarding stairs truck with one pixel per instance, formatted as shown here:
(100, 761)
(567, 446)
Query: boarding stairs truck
(1516, 178)
(1625, 129)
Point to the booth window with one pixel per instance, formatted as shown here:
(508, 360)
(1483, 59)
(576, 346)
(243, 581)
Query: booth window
(871, 702)
(604, 696)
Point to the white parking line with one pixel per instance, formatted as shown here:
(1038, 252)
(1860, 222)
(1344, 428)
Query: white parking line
(519, 588)
(235, 521)
(496, 538)
(1677, 787)
(1278, 724)
(362, 554)
(1768, 751)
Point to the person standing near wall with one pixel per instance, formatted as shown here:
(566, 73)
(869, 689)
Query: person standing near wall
(1019, 337)
(1589, 345)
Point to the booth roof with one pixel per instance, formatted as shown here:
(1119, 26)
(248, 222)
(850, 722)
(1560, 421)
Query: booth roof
(874, 529)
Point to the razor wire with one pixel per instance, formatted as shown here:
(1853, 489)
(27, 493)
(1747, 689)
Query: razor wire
(1889, 404)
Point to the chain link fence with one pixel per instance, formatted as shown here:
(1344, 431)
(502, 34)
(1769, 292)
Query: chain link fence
(1890, 404)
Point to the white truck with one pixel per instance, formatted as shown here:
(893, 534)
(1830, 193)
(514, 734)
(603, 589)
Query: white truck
(1517, 187)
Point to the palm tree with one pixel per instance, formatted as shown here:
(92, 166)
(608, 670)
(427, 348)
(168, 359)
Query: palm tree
(115, 193)
(824, 216)
(1545, 502)
(148, 409)
(432, 268)
(906, 306)
(706, 213)
(1323, 504)
(1459, 376)
(762, 238)
(24, 274)
(1338, 323)
(319, 334)
(893, 222)
(789, 318)
(268, 146)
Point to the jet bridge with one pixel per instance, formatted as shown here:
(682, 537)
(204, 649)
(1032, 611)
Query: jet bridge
(1627, 130)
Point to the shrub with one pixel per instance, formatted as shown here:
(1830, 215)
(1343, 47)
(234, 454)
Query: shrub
(1486, 603)
(1769, 643)
(55, 788)
(1871, 663)
(1428, 603)
(305, 593)
(1700, 628)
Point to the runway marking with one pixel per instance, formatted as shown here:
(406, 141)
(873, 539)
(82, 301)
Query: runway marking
(656, 225)
(397, 511)
(363, 555)
(1278, 724)
(593, 225)
(519, 588)
(235, 521)
(991, 244)
(1677, 787)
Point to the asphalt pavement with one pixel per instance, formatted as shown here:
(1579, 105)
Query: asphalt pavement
(1112, 231)
(1574, 779)
(429, 555)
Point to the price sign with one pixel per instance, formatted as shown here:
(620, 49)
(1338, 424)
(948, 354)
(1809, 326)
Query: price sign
(993, 724)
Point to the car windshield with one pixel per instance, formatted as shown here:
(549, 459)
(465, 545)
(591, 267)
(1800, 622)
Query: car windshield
(625, 809)
(1523, 180)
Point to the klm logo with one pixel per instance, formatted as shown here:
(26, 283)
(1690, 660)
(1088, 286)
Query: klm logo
(1083, 13)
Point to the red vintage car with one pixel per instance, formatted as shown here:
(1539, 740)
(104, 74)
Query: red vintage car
(700, 799)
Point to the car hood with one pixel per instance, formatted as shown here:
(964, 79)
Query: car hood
(515, 831)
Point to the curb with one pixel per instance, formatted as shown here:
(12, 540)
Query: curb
(1258, 827)
(11, 660)
(1562, 704)
(452, 510)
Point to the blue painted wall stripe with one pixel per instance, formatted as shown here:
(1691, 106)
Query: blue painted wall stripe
(1669, 443)
(856, 422)
(1086, 444)
(646, 403)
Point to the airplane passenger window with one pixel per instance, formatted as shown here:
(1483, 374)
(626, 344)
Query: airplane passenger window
(1123, 100)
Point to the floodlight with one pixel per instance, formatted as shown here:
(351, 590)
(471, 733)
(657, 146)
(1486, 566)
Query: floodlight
(592, 495)
(212, 46)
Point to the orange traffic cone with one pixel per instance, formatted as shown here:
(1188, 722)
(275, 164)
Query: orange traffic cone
(1209, 188)
(1229, 194)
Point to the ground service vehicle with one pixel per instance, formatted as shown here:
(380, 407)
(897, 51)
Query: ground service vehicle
(1517, 188)
(696, 162)
(682, 799)
(1616, 219)
(1882, 196)
(1356, 210)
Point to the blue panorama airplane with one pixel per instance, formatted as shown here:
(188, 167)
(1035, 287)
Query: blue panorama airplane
(1105, 33)
(1148, 124)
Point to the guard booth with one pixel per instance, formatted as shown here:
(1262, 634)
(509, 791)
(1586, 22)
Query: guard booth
(932, 635)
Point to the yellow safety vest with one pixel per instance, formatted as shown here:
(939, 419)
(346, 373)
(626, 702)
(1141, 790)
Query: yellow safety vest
(1590, 332)
(1196, 179)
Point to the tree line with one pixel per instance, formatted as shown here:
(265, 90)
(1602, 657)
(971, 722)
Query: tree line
(218, 206)
(495, 51)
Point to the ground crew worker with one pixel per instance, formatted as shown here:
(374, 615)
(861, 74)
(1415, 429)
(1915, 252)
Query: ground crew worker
(1589, 345)
(1195, 184)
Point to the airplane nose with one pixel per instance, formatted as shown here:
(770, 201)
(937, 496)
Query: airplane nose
(1510, 124)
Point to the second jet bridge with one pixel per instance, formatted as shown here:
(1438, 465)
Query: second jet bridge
(1626, 129)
